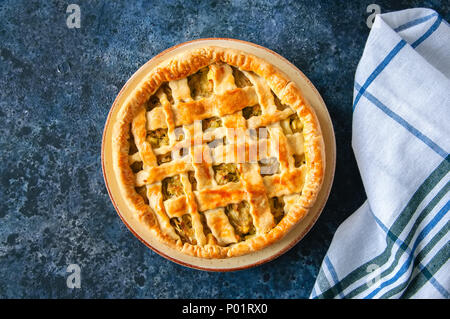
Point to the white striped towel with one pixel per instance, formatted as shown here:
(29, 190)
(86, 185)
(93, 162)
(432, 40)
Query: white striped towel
(396, 245)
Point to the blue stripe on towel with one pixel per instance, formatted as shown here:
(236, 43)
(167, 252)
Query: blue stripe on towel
(392, 54)
(406, 248)
(378, 70)
(414, 22)
(425, 231)
(333, 274)
(428, 33)
(403, 123)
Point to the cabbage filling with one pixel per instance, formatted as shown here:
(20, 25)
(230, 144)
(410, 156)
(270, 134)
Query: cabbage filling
(277, 208)
(296, 125)
(172, 187)
(132, 146)
(152, 102)
(269, 166)
(192, 180)
(226, 173)
(240, 79)
(280, 106)
(250, 111)
(240, 218)
(165, 158)
(183, 227)
(183, 151)
(291, 125)
(168, 91)
(142, 191)
(137, 167)
(299, 160)
(158, 138)
(200, 85)
(212, 122)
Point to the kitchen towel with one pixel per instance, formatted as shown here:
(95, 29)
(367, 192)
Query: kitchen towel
(396, 245)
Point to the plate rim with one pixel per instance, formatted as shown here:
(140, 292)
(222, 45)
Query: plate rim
(261, 261)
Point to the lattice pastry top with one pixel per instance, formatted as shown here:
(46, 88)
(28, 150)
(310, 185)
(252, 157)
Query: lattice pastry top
(218, 153)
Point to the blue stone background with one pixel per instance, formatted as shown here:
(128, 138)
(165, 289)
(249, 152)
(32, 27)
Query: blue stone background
(56, 87)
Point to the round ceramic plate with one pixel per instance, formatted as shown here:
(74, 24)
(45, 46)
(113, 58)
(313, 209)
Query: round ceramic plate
(256, 258)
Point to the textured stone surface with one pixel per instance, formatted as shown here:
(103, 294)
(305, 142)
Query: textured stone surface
(56, 88)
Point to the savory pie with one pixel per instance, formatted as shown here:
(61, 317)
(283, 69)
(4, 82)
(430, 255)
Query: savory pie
(218, 153)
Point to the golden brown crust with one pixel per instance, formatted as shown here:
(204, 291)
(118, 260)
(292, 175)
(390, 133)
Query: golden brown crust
(178, 68)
